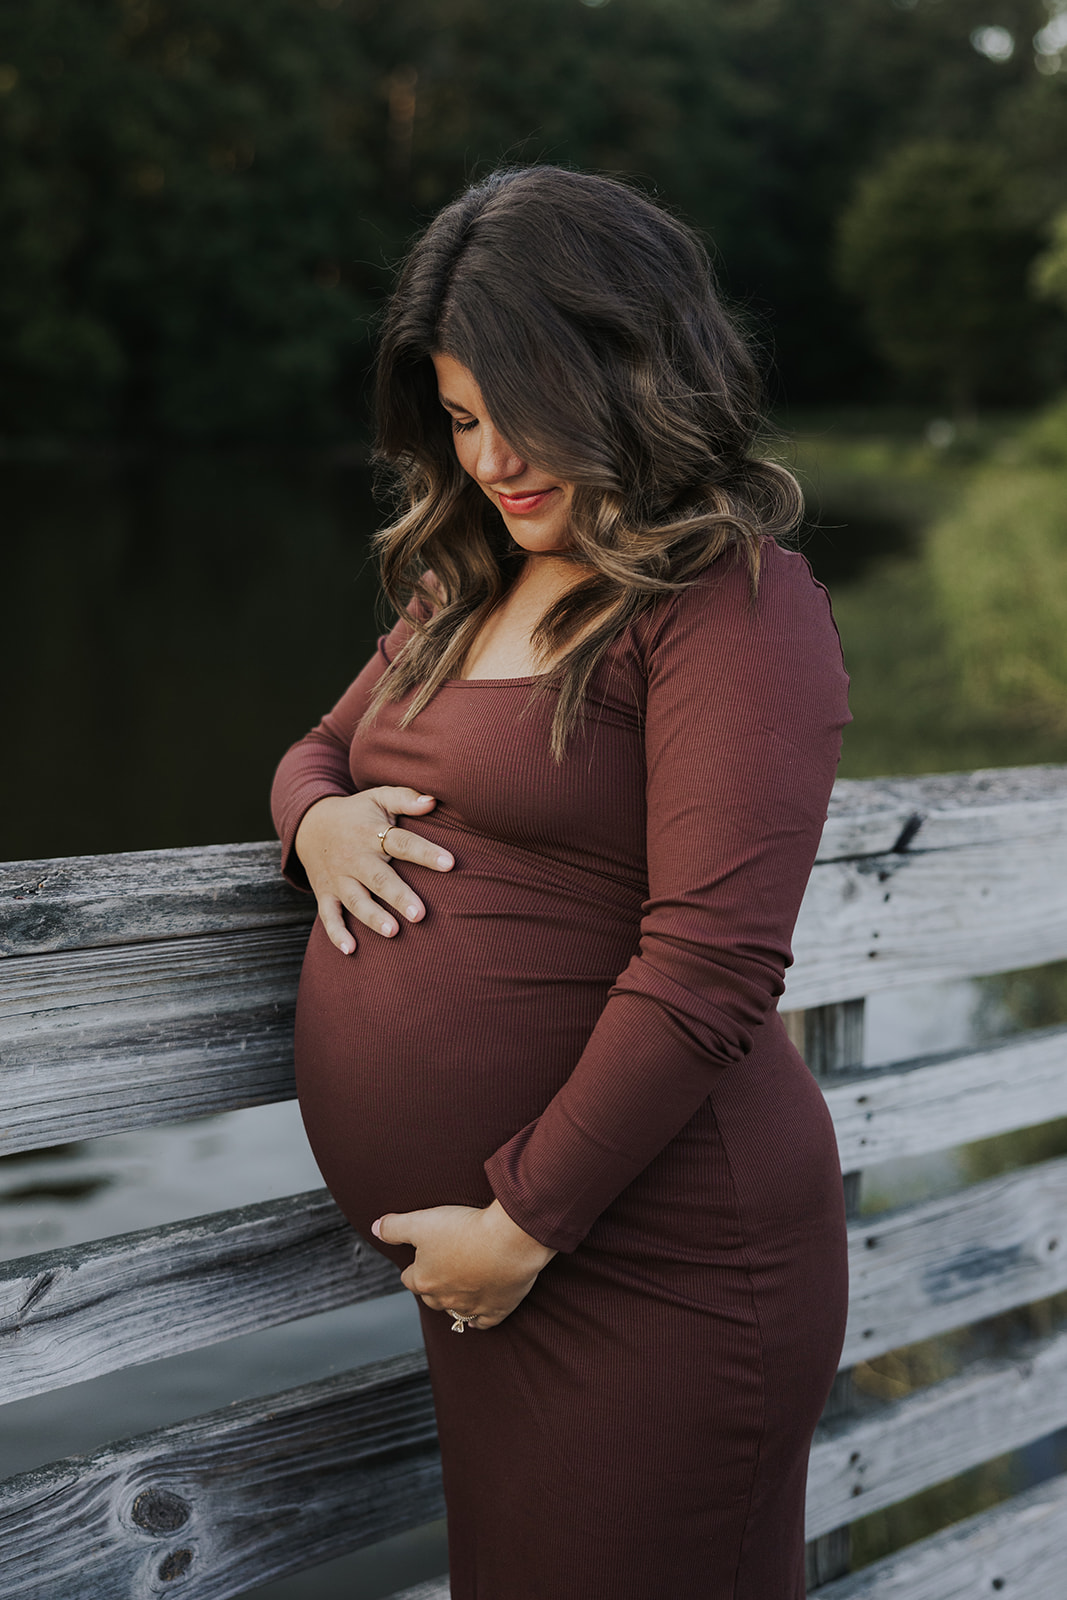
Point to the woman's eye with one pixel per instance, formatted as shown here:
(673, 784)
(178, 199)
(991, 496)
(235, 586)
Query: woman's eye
(463, 427)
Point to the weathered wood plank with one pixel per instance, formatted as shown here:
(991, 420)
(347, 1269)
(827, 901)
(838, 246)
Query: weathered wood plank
(230, 1500)
(924, 916)
(78, 902)
(98, 1041)
(936, 1102)
(82, 901)
(863, 1464)
(1016, 1549)
(873, 816)
(928, 1268)
(71, 1314)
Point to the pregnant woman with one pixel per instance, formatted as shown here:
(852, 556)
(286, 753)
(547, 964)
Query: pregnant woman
(540, 1064)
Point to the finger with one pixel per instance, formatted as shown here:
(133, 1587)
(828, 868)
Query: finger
(481, 1321)
(404, 802)
(367, 910)
(334, 923)
(396, 1227)
(412, 847)
(433, 1302)
(379, 877)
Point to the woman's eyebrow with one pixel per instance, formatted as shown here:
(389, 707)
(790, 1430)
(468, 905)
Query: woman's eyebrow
(451, 405)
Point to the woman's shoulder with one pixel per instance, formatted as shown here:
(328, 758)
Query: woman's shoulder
(774, 637)
(731, 598)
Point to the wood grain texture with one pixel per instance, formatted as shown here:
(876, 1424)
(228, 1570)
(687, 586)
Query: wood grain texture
(72, 1314)
(1016, 1549)
(436, 1589)
(875, 816)
(144, 988)
(934, 1103)
(928, 1268)
(104, 1035)
(230, 1500)
(83, 902)
(932, 914)
(862, 1464)
(99, 1041)
(79, 902)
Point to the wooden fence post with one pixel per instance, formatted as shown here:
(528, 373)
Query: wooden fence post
(830, 1039)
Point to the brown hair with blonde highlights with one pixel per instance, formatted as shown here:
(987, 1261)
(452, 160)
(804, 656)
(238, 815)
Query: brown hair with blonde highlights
(589, 318)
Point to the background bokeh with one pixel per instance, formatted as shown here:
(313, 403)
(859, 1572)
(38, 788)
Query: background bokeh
(202, 203)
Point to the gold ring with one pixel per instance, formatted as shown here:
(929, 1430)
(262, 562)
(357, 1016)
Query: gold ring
(381, 838)
(459, 1320)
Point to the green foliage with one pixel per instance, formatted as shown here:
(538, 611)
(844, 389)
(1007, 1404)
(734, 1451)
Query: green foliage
(200, 199)
(1042, 442)
(998, 563)
(1035, 997)
(180, 185)
(933, 247)
(1050, 268)
(911, 712)
(921, 1516)
(915, 708)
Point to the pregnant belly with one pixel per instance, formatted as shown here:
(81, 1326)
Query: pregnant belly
(420, 1055)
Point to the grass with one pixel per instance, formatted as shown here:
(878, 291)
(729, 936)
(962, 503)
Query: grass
(947, 564)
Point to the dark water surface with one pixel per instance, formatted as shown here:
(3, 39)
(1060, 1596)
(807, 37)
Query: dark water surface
(171, 626)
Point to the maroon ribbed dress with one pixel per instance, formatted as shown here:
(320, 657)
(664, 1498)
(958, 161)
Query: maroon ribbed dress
(584, 1025)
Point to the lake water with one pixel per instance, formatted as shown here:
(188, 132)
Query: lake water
(178, 622)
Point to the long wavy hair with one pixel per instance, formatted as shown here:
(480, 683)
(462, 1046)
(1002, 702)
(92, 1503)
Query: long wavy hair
(590, 320)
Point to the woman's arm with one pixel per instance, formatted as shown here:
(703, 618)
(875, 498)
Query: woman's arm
(744, 715)
(330, 833)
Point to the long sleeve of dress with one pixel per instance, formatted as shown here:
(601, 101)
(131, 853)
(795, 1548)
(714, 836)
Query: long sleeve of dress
(318, 765)
(746, 702)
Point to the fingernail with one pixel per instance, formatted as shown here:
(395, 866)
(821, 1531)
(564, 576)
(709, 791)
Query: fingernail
(388, 928)
(424, 797)
(347, 947)
(444, 861)
(376, 1228)
(411, 912)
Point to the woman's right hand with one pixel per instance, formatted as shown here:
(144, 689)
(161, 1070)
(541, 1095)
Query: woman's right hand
(347, 868)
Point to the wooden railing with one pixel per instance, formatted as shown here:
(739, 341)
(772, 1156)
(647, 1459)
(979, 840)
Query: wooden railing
(141, 989)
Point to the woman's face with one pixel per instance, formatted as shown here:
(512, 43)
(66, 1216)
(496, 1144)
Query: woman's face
(534, 505)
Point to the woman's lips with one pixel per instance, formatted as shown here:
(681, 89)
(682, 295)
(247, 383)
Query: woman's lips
(521, 505)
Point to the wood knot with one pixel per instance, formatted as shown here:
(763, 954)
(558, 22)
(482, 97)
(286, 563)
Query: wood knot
(908, 832)
(37, 1291)
(160, 1511)
(175, 1565)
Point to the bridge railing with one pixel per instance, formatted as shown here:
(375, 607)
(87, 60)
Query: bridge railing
(146, 988)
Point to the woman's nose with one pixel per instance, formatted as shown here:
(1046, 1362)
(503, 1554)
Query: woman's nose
(497, 461)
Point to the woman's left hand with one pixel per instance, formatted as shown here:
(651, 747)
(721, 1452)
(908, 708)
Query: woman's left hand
(478, 1264)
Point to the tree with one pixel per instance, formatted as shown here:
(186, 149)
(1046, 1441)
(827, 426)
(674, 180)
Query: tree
(1050, 268)
(934, 250)
(182, 185)
(200, 200)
